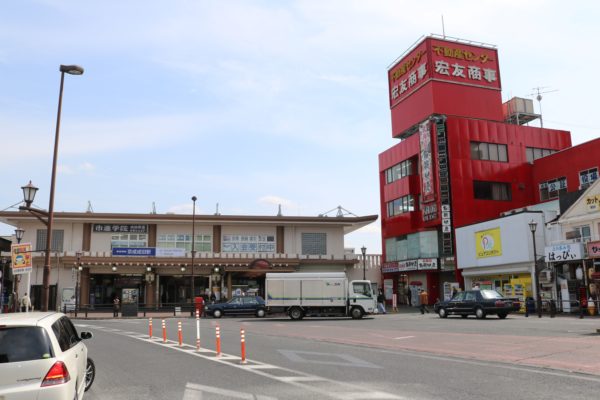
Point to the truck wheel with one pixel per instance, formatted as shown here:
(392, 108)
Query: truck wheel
(356, 313)
(296, 313)
(260, 313)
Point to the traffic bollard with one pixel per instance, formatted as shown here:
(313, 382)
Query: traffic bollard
(150, 328)
(197, 330)
(243, 339)
(179, 334)
(164, 331)
(218, 337)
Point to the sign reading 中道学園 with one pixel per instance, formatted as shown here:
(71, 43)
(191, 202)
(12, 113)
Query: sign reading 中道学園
(21, 258)
(119, 228)
(488, 243)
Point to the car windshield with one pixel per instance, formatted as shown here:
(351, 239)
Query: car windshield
(24, 343)
(491, 294)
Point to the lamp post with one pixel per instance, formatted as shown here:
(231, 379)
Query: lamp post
(29, 190)
(194, 198)
(364, 254)
(19, 234)
(532, 228)
(79, 269)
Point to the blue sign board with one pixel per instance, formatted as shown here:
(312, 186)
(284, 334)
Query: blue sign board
(134, 251)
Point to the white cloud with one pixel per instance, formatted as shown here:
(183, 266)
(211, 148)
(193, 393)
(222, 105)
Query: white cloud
(186, 208)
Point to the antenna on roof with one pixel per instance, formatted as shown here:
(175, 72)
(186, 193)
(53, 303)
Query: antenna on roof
(89, 207)
(341, 212)
(217, 212)
(279, 214)
(538, 95)
(153, 208)
(443, 28)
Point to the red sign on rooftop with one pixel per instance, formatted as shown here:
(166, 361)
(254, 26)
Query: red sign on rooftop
(444, 61)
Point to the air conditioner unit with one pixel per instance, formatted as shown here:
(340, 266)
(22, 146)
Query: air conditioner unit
(545, 276)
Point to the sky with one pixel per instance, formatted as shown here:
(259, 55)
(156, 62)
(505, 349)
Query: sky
(251, 104)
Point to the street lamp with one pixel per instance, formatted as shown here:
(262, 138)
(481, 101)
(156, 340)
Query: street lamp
(19, 234)
(29, 190)
(193, 241)
(79, 269)
(532, 228)
(364, 254)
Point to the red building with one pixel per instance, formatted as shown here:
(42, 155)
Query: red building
(462, 158)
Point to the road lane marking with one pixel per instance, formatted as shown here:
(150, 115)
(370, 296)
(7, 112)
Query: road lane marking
(313, 357)
(403, 337)
(190, 388)
(301, 380)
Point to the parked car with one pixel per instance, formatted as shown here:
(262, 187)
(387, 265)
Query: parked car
(252, 305)
(477, 302)
(43, 357)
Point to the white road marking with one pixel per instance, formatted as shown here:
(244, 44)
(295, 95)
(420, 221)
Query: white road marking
(403, 337)
(313, 357)
(194, 391)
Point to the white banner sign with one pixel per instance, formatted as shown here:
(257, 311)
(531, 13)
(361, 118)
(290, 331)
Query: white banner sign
(564, 252)
(169, 252)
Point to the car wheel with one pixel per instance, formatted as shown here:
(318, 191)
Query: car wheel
(479, 313)
(442, 313)
(217, 314)
(296, 313)
(90, 373)
(502, 315)
(356, 313)
(464, 315)
(260, 313)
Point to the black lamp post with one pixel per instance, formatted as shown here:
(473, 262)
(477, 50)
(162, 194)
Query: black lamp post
(79, 269)
(364, 254)
(29, 190)
(19, 234)
(532, 228)
(194, 198)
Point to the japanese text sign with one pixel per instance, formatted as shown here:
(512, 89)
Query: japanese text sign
(488, 243)
(21, 258)
(593, 249)
(564, 252)
(120, 228)
(593, 202)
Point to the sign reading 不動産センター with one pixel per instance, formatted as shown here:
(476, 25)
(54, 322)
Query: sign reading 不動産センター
(488, 243)
(21, 258)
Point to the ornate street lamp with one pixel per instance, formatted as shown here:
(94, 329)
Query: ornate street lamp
(29, 190)
(532, 228)
(19, 234)
(364, 254)
(194, 198)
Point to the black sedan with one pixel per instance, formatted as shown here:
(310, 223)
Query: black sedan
(251, 305)
(477, 302)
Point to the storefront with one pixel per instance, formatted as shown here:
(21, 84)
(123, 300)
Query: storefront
(406, 278)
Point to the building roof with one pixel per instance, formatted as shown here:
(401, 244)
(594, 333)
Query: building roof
(349, 224)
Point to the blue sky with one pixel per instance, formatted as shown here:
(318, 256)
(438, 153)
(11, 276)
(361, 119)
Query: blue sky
(250, 104)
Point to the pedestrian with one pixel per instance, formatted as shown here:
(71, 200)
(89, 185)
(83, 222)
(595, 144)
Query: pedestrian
(25, 303)
(213, 298)
(424, 300)
(381, 302)
(116, 303)
(408, 296)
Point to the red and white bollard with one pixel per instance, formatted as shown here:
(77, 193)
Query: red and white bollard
(243, 339)
(179, 334)
(150, 328)
(197, 330)
(218, 337)
(164, 329)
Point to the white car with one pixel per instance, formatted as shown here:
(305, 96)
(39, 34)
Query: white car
(43, 357)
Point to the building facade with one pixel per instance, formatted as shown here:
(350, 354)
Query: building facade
(463, 158)
(152, 254)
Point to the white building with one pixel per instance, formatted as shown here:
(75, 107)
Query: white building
(153, 253)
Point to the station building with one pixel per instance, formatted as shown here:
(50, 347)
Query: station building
(153, 254)
(463, 157)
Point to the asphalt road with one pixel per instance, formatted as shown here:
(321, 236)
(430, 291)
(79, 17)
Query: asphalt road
(400, 356)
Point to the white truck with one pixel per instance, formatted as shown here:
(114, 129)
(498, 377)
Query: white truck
(303, 294)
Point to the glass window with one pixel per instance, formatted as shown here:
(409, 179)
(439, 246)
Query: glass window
(236, 300)
(470, 296)
(460, 296)
(537, 153)
(61, 335)
(490, 294)
(57, 239)
(129, 240)
(493, 149)
(475, 151)
(363, 288)
(24, 343)
(314, 243)
(249, 300)
(491, 190)
(484, 153)
(529, 154)
(202, 243)
(502, 153)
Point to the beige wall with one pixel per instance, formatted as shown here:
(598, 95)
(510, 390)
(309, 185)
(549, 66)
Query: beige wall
(293, 239)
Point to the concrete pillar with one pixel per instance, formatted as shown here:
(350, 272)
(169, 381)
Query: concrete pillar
(84, 287)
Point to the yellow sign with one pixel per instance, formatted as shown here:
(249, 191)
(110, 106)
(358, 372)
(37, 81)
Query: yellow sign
(488, 243)
(21, 258)
(593, 202)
